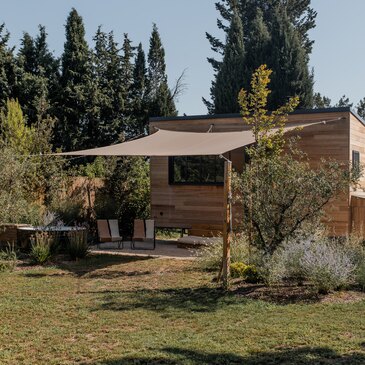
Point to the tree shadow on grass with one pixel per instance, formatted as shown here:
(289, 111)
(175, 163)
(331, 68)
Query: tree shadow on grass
(200, 299)
(92, 266)
(296, 356)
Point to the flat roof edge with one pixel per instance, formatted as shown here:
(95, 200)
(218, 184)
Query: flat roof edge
(237, 115)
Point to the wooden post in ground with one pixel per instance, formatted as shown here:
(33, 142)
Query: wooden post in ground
(227, 224)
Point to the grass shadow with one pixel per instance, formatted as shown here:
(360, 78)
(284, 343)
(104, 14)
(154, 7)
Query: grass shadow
(200, 299)
(296, 356)
(282, 295)
(94, 262)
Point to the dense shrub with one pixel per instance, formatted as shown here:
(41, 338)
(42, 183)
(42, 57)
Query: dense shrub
(328, 265)
(248, 273)
(78, 247)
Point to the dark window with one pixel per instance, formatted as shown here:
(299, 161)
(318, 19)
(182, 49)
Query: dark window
(198, 170)
(356, 160)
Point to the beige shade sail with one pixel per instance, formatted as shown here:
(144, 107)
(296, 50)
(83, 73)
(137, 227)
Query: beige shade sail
(172, 143)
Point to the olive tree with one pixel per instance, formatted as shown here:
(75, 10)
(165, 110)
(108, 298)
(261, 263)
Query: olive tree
(279, 192)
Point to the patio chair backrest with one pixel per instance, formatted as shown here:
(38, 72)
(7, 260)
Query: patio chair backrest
(139, 229)
(103, 228)
(114, 227)
(150, 228)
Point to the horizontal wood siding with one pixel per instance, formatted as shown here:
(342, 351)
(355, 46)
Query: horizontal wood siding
(185, 206)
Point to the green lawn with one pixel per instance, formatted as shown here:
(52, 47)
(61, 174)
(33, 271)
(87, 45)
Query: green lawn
(123, 310)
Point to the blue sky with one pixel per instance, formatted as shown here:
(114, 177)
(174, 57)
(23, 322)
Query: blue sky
(337, 56)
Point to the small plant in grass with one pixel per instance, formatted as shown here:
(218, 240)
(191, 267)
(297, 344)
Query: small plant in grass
(8, 258)
(210, 255)
(41, 244)
(248, 273)
(78, 247)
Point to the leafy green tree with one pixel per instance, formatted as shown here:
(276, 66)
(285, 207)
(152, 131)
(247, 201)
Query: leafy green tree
(279, 192)
(126, 195)
(267, 127)
(160, 99)
(73, 129)
(15, 134)
(28, 181)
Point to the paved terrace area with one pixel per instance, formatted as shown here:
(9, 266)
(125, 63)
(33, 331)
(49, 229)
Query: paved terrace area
(168, 249)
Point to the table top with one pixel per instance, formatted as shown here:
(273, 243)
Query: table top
(52, 229)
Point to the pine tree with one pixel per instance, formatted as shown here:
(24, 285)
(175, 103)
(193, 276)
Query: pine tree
(160, 100)
(230, 77)
(344, 102)
(73, 129)
(321, 101)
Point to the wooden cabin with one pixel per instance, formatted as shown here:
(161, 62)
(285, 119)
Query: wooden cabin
(194, 200)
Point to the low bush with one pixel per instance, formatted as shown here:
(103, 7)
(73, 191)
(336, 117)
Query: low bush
(328, 265)
(238, 270)
(248, 273)
(78, 247)
(8, 259)
(41, 244)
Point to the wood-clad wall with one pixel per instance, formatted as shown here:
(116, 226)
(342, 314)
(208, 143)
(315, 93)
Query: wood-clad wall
(187, 205)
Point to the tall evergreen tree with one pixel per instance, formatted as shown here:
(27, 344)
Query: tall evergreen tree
(73, 128)
(343, 102)
(230, 77)
(38, 76)
(321, 101)
(160, 100)
(360, 108)
(263, 31)
(8, 68)
(289, 62)
(138, 94)
(127, 73)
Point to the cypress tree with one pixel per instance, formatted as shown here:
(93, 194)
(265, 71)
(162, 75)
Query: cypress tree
(138, 94)
(289, 63)
(230, 77)
(8, 68)
(73, 128)
(264, 33)
(127, 73)
(160, 100)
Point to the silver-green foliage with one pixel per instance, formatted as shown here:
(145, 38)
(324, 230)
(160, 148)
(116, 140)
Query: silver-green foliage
(41, 244)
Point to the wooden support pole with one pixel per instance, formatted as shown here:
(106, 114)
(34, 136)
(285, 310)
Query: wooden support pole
(227, 224)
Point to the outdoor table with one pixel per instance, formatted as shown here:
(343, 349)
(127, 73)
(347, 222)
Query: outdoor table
(24, 233)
